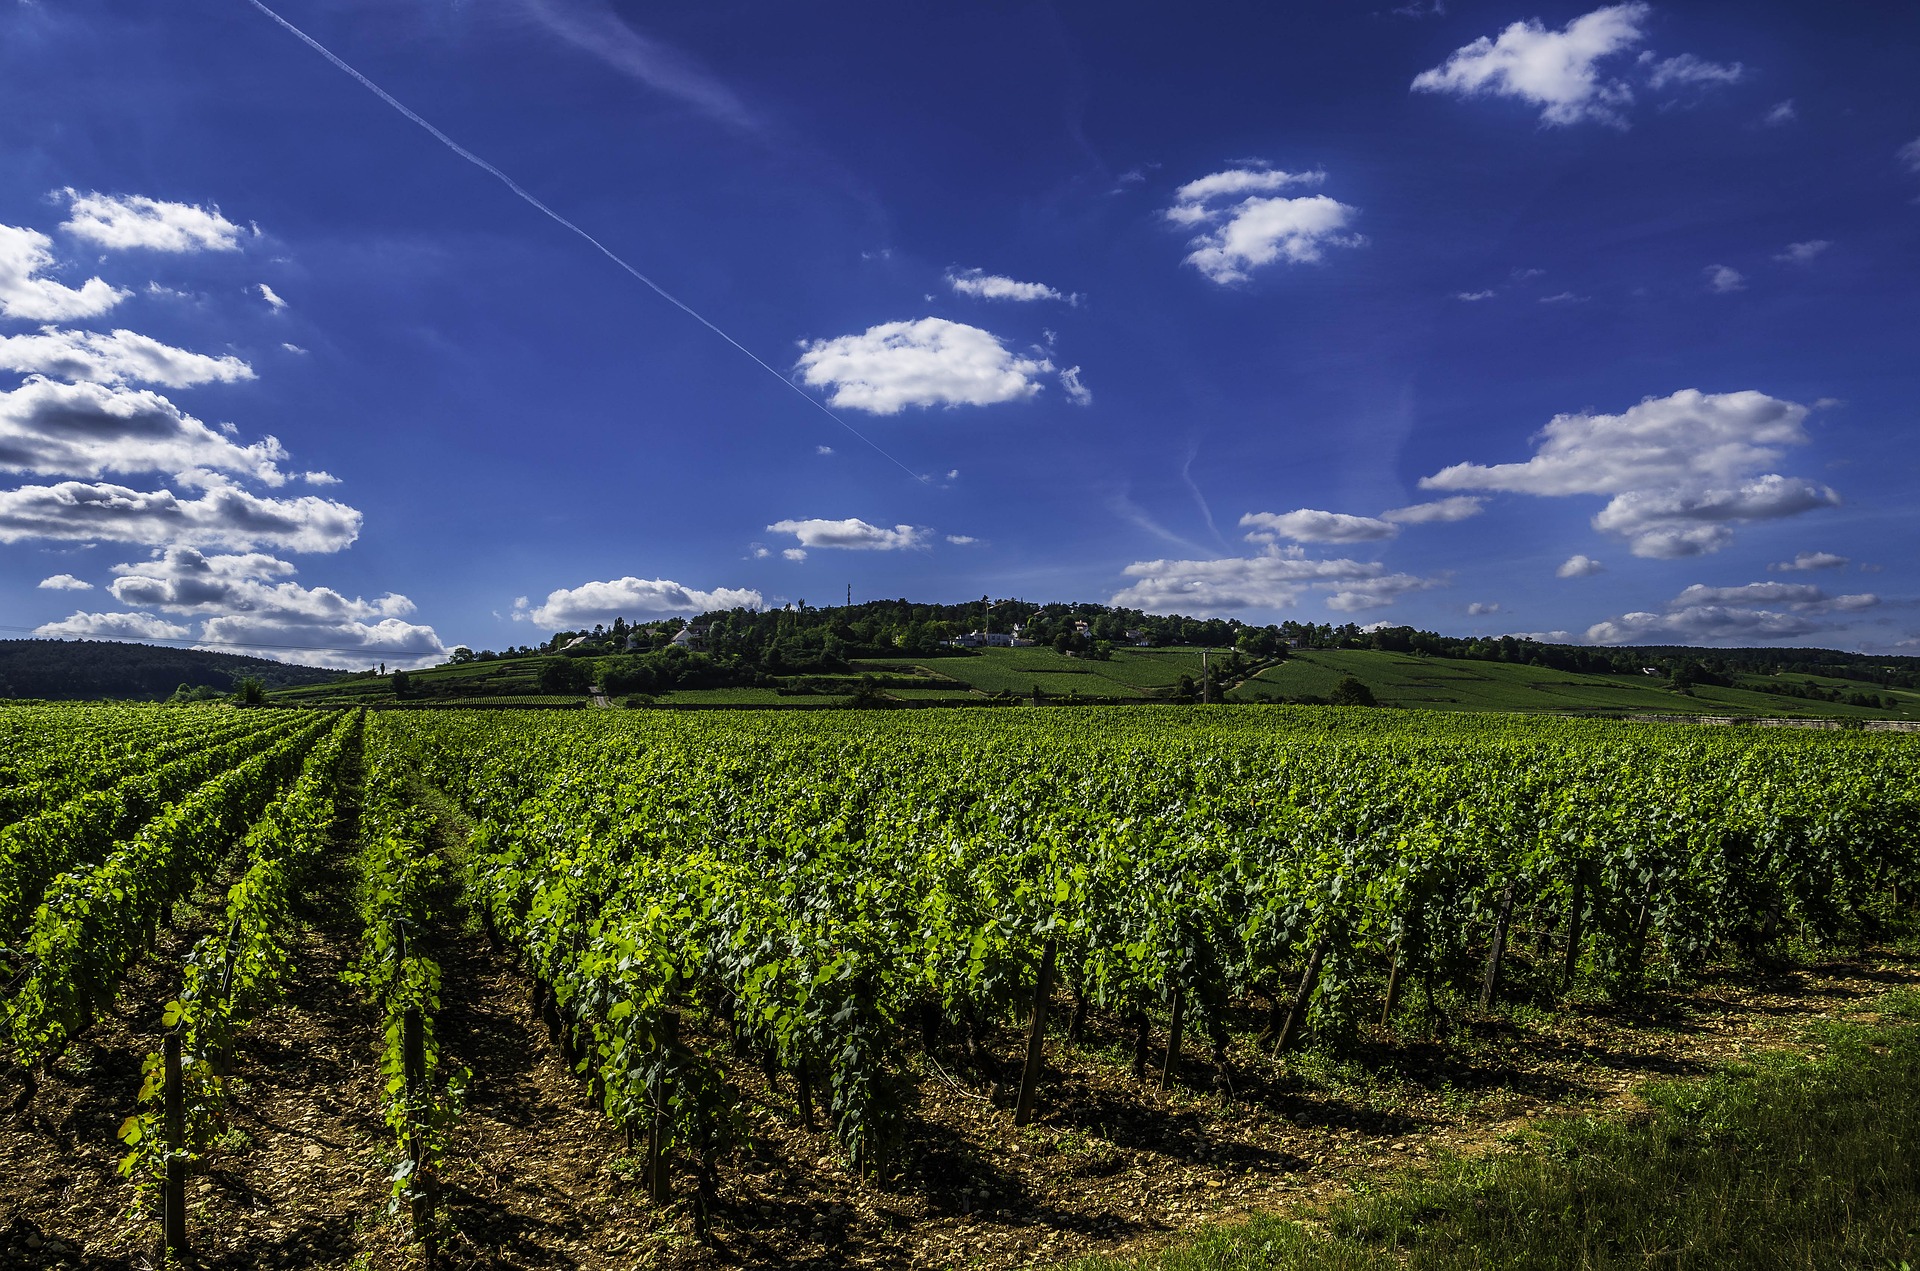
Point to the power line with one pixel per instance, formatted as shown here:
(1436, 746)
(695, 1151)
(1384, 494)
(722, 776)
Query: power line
(526, 196)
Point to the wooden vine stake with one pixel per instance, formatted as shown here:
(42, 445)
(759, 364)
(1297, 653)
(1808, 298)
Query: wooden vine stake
(1491, 984)
(1576, 912)
(1036, 1037)
(659, 1180)
(413, 1064)
(1297, 1014)
(173, 1193)
(1175, 1026)
(1393, 986)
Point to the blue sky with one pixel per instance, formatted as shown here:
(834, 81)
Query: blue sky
(1477, 316)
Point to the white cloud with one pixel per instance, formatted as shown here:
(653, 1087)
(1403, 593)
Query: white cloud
(1377, 593)
(1680, 469)
(293, 348)
(1795, 594)
(1190, 199)
(1457, 508)
(568, 608)
(1480, 610)
(1310, 525)
(1687, 70)
(823, 450)
(1781, 114)
(1802, 253)
(247, 600)
(1077, 393)
(1276, 579)
(1722, 279)
(225, 516)
(122, 221)
(931, 362)
(1473, 295)
(852, 533)
(120, 358)
(1554, 70)
(288, 638)
(985, 286)
(1665, 524)
(1243, 235)
(1722, 614)
(185, 580)
(112, 626)
(1564, 298)
(1731, 614)
(1705, 624)
(1909, 155)
(961, 540)
(794, 554)
(1808, 561)
(594, 28)
(272, 297)
(64, 582)
(24, 255)
(1579, 566)
(89, 430)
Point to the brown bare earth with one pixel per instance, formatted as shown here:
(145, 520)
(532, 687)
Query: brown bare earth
(540, 1180)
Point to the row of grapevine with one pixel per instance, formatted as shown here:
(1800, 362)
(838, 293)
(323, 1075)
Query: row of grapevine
(84, 828)
(93, 922)
(822, 890)
(36, 740)
(400, 882)
(67, 762)
(233, 974)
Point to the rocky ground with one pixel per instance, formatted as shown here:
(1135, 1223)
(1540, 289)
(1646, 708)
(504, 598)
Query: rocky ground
(540, 1180)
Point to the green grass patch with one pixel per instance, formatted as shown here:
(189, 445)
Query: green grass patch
(738, 697)
(1424, 683)
(1020, 670)
(949, 693)
(1791, 1162)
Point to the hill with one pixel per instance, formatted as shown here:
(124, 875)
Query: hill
(675, 679)
(85, 670)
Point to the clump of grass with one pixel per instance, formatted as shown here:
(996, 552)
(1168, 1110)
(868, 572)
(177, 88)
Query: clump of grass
(1790, 1162)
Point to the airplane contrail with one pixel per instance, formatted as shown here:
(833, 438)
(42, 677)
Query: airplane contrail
(529, 198)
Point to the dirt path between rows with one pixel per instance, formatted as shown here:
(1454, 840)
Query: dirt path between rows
(539, 1179)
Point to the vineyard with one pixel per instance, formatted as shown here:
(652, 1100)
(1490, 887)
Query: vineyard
(745, 962)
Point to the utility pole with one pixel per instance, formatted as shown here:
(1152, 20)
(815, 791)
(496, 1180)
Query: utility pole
(1206, 680)
(849, 595)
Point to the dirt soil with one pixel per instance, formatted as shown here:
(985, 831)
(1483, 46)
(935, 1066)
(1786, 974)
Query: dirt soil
(539, 1179)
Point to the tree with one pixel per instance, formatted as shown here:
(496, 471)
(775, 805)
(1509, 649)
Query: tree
(461, 653)
(1351, 692)
(867, 696)
(249, 692)
(1259, 641)
(564, 675)
(402, 684)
